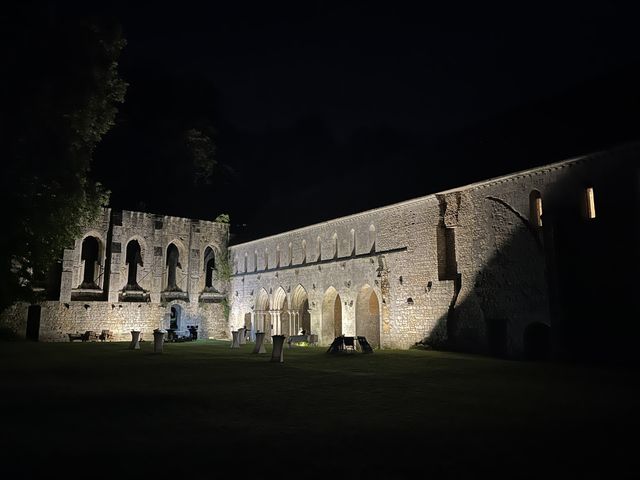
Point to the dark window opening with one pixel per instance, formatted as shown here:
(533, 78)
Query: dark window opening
(209, 277)
(133, 259)
(446, 244)
(90, 249)
(173, 319)
(172, 265)
(209, 267)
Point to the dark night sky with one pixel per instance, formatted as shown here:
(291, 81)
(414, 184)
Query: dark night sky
(329, 108)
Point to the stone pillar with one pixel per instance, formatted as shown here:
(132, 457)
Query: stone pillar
(259, 348)
(316, 324)
(277, 355)
(135, 340)
(158, 340)
(275, 315)
(259, 316)
(242, 332)
(236, 342)
(252, 330)
(349, 318)
(291, 324)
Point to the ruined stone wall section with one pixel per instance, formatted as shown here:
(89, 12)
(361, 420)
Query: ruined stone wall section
(494, 287)
(58, 319)
(72, 263)
(109, 310)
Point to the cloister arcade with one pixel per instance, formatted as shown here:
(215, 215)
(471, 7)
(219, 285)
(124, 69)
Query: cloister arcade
(290, 312)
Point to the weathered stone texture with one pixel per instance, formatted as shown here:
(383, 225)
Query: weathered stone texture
(465, 268)
(498, 275)
(110, 307)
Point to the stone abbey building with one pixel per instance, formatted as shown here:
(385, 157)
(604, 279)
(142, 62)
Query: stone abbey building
(526, 265)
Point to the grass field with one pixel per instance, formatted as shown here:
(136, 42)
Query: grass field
(100, 410)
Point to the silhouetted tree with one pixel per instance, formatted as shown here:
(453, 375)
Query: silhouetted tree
(60, 96)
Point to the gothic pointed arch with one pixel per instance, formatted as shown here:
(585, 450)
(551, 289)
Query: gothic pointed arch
(331, 315)
(368, 315)
(90, 255)
(173, 264)
(133, 260)
(262, 313)
(209, 260)
(300, 310)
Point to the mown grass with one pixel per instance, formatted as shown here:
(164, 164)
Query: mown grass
(201, 408)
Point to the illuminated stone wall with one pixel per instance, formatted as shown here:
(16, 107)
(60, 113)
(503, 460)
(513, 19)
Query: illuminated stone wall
(58, 319)
(110, 306)
(463, 268)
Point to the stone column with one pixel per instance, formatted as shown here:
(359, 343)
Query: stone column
(259, 348)
(316, 324)
(349, 318)
(158, 340)
(242, 336)
(236, 342)
(277, 355)
(252, 331)
(259, 321)
(135, 340)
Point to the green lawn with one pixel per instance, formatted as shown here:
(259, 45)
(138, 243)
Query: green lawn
(202, 408)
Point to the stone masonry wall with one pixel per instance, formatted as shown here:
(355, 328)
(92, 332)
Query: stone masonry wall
(108, 307)
(497, 280)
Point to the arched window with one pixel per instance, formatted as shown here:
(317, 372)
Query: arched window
(266, 258)
(133, 259)
(353, 242)
(90, 256)
(277, 256)
(209, 267)
(173, 263)
(319, 249)
(334, 238)
(372, 238)
(590, 203)
(255, 261)
(304, 251)
(535, 208)
(290, 253)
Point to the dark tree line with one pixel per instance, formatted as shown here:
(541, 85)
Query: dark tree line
(60, 93)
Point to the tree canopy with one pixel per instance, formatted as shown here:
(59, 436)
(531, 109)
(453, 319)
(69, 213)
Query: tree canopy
(61, 94)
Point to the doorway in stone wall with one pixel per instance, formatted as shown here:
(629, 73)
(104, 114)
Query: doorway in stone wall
(537, 341)
(33, 323)
(331, 315)
(368, 315)
(175, 317)
(497, 336)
